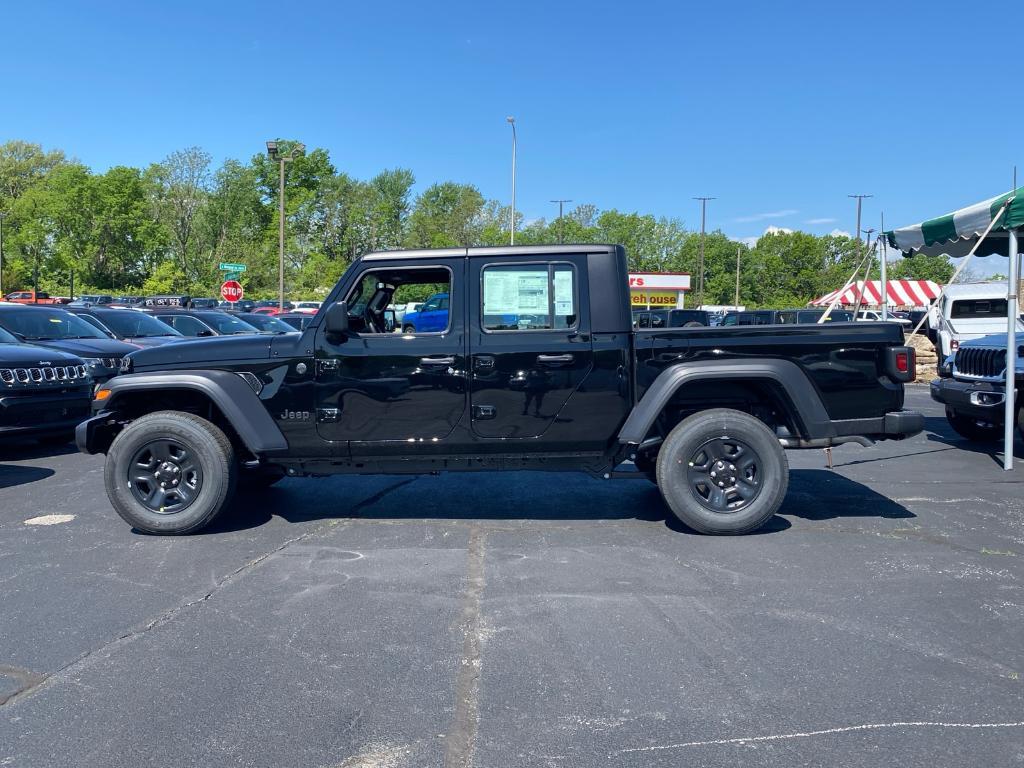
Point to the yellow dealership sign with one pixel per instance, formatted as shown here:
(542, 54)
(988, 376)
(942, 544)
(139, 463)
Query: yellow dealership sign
(654, 298)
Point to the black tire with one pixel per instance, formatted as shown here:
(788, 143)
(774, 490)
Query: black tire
(965, 426)
(408, 329)
(206, 472)
(713, 441)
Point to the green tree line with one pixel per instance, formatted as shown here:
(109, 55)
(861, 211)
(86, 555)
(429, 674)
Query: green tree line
(166, 228)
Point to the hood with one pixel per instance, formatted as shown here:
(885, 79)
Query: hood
(992, 341)
(90, 347)
(153, 341)
(31, 355)
(215, 349)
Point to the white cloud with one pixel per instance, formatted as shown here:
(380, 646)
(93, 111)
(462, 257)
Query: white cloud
(772, 230)
(840, 233)
(821, 221)
(769, 215)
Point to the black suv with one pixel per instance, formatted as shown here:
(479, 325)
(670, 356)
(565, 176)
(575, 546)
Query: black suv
(44, 393)
(201, 322)
(128, 325)
(59, 329)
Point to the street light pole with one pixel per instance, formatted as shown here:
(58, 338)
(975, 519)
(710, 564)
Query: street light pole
(700, 268)
(275, 154)
(3, 215)
(736, 301)
(512, 223)
(561, 224)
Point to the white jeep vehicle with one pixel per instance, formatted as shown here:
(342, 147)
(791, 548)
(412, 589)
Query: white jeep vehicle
(873, 315)
(969, 311)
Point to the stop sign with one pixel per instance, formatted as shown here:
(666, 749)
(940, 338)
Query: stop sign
(231, 290)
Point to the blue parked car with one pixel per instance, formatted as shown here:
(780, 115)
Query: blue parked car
(431, 317)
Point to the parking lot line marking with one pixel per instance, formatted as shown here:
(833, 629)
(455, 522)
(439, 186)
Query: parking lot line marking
(461, 741)
(824, 732)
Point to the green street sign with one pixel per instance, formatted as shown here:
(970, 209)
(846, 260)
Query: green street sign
(227, 266)
(231, 275)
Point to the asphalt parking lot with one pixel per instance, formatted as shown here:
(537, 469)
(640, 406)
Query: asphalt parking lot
(521, 620)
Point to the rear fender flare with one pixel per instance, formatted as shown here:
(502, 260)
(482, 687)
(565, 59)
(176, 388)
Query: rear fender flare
(803, 398)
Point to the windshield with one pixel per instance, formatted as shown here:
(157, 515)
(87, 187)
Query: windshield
(226, 324)
(49, 325)
(6, 338)
(269, 324)
(131, 324)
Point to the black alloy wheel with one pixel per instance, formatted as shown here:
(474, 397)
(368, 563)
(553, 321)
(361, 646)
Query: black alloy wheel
(164, 476)
(724, 474)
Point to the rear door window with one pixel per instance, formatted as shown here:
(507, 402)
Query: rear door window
(526, 297)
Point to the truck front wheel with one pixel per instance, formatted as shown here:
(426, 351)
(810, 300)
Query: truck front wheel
(972, 429)
(170, 472)
(722, 471)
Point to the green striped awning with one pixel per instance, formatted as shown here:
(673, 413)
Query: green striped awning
(956, 233)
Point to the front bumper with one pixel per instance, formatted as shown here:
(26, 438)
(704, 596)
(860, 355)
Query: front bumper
(981, 399)
(41, 413)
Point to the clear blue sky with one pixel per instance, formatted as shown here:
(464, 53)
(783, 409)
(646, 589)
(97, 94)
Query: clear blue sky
(778, 109)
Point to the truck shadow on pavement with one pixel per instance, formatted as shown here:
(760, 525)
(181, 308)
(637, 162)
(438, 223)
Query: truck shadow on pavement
(12, 475)
(814, 494)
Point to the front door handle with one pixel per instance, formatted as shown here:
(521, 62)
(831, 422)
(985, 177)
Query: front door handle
(554, 359)
(437, 361)
(483, 362)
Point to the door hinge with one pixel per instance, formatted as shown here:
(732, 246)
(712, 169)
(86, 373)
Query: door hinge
(327, 415)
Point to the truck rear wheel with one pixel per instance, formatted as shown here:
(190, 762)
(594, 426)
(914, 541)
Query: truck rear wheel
(979, 432)
(723, 472)
(170, 472)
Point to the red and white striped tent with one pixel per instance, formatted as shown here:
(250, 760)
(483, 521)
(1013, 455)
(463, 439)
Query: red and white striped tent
(902, 293)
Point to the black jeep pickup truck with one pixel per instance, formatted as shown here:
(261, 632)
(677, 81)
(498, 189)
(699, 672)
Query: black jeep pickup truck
(535, 366)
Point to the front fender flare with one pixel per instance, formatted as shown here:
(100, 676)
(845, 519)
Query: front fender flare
(803, 397)
(234, 397)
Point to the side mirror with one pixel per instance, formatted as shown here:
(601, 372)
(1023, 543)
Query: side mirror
(336, 321)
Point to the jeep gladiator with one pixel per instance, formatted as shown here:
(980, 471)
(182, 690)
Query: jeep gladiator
(537, 367)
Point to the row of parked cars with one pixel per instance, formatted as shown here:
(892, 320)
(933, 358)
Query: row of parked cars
(53, 355)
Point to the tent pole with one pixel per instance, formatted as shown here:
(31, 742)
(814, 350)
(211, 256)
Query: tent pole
(884, 271)
(1010, 406)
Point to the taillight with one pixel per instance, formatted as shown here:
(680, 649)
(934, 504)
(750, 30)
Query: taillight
(901, 363)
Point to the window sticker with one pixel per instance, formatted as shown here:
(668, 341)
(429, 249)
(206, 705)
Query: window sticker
(515, 292)
(563, 293)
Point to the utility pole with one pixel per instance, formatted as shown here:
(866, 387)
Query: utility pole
(736, 301)
(3, 215)
(275, 154)
(859, 199)
(561, 224)
(700, 268)
(512, 223)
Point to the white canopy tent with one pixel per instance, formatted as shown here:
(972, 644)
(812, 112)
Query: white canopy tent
(988, 228)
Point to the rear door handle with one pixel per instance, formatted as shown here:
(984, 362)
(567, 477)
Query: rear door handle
(554, 359)
(437, 361)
